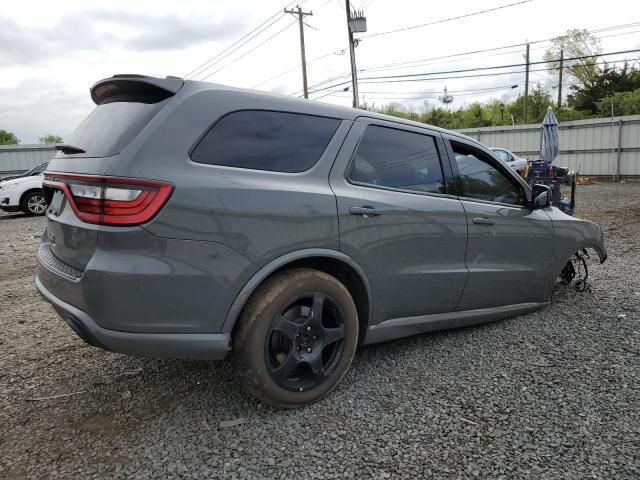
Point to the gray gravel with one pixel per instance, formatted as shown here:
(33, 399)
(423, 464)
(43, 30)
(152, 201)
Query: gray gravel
(553, 394)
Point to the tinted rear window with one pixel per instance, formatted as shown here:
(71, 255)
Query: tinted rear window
(263, 140)
(388, 157)
(111, 126)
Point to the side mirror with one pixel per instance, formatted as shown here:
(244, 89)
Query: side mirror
(541, 196)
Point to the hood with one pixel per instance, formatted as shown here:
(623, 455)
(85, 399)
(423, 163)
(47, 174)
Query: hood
(19, 180)
(10, 177)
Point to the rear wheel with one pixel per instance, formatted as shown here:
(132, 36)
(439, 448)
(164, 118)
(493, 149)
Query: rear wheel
(34, 203)
(296, 338)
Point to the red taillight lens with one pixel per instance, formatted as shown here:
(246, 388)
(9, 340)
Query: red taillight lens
(110, 200)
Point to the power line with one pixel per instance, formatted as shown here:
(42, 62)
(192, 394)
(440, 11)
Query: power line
(249, 51)
(457, 92)
(495, 67)
(482, 75)
(428, 61)
(459, 17)
(423, 95)
(434, 92)
(277, 17)
(223, 51)
(581, 57)
(295, 67)
(227, 55)
(414, 77)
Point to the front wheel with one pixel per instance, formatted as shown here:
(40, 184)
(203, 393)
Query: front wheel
(34, 203)
(296, 338)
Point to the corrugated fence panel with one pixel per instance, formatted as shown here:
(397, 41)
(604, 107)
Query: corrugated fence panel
(19, 158)
(591, 145)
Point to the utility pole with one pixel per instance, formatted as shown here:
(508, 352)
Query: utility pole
(354, 73)
(560, 80)
(526, 87)
(301, 16)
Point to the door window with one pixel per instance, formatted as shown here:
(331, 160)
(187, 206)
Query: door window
(479, 179)
(393, 158)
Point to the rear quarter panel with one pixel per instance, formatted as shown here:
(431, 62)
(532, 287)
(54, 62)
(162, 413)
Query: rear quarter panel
(261, 215)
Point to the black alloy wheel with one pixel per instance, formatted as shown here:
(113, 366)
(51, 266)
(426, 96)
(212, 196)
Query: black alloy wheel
(304, 342)
(296, 337)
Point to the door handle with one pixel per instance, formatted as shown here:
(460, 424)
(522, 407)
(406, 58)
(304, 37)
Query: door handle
(365, 211)
(483, 221)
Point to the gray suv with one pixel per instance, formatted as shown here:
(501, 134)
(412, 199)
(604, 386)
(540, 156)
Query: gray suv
(192, 220)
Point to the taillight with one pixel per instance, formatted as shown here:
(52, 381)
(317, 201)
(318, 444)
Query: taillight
(110, 200)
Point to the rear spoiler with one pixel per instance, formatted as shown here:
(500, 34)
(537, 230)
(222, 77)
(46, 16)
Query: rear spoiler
(134, 88)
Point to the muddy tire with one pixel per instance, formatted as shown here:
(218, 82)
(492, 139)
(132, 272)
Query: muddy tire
(295, 338)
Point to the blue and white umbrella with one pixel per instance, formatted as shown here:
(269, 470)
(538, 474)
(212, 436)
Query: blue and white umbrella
(550, 141)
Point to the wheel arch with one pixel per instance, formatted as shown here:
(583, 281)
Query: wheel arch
(332, 262)
(27, 191)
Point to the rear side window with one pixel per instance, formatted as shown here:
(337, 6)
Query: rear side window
(389, 157)
(265, 140)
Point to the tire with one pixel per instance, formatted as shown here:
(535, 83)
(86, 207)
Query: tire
(287, 355)
(33, 203)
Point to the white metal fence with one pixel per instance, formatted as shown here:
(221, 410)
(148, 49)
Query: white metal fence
(19, 158)
(601, 146)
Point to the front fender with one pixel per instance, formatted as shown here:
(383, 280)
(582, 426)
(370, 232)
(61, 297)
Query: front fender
(573, 234)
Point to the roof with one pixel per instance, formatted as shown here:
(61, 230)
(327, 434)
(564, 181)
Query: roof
(176, 85)
(313, 107)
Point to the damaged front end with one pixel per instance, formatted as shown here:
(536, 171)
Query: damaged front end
(577, 269)
(573, 238)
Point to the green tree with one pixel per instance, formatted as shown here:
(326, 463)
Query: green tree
(608, 81)
(51, 139)
(476, 116)
(8, 138)
(576, 43)
(539, 101)
(622, 103)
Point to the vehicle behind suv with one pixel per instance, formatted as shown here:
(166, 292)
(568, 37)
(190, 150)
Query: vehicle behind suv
(188, 220)
(511, 159)
(24, 192)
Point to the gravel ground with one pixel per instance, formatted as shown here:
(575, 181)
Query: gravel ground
(553, 394)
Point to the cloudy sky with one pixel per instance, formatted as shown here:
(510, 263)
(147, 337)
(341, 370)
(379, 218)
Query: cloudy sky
(51, 52)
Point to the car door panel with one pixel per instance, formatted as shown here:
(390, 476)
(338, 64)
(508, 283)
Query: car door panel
(509, 246)
(412, 246)
(509, 258)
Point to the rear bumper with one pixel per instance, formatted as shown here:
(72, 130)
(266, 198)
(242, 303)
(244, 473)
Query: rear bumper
(200, 346)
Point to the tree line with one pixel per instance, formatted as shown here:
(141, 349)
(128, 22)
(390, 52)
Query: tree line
(9, 138)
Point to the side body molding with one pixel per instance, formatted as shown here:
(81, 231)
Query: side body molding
(268, 269)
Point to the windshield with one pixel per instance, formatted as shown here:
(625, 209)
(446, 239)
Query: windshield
(110, 127)
(504, 156)
(35, 170)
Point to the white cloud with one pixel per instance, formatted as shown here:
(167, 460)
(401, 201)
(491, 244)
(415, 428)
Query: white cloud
(52, 52)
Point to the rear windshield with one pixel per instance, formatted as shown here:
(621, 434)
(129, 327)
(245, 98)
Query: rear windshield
(110, 127)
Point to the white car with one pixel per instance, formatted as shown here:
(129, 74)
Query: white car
(24, 193)
(511, 159)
